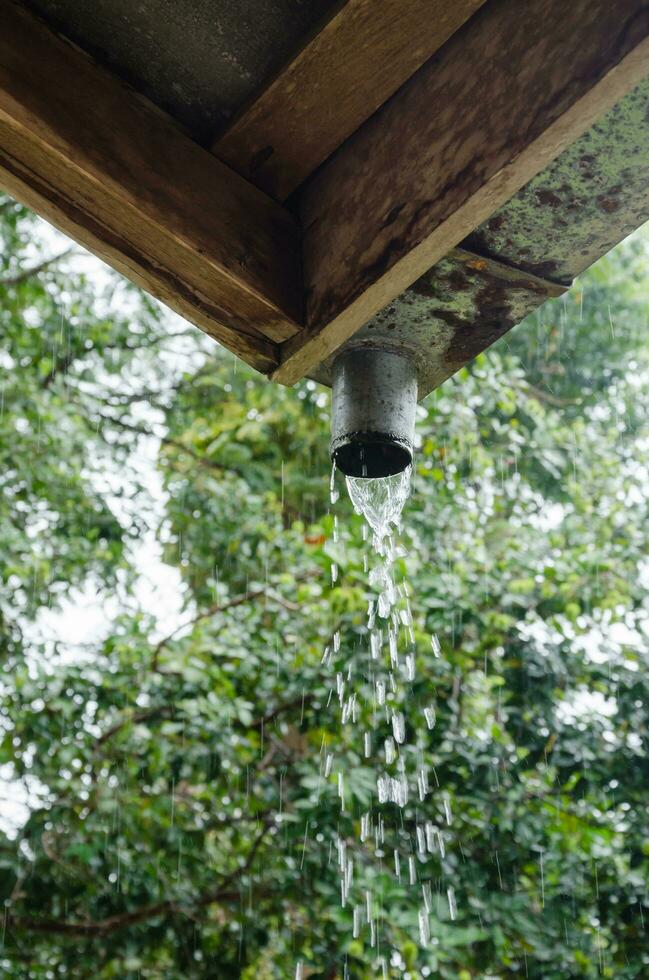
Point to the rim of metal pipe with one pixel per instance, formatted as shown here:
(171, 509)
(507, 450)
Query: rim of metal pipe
(371, 454)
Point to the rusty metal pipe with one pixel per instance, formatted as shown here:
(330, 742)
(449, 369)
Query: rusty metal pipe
(373, 412)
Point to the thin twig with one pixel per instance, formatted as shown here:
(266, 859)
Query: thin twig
(217, 608)
(169, 441)
(164, 710)
(168, 710)
(545, 396)
(34, 270)
(113, 923)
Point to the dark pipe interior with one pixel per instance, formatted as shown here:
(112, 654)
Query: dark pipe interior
(372, 458)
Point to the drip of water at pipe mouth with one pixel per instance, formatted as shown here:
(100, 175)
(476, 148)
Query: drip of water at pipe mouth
(380, 501)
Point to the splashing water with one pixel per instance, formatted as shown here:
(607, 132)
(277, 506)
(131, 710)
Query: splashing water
(374, 684)
(380, 502)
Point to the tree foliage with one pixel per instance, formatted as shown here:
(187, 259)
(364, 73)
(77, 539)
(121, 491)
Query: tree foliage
(180, 824)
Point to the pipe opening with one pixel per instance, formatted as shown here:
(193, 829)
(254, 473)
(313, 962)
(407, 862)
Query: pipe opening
(372, 458)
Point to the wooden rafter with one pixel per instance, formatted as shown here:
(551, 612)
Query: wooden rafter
(117, 175)
(357, 60)
(497, 104)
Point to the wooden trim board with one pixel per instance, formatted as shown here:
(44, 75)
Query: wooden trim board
(511, 90)
(117, 175)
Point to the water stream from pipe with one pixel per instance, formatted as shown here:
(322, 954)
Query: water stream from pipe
(403, 829)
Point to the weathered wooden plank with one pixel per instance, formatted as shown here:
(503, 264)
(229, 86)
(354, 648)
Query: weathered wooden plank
(116, 174)
(355, 62)
(578, 208)
(511, 90)
(46, 191)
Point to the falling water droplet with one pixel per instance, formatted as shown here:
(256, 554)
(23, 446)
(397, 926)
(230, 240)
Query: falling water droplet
(340, 686)
(370, 614)
(392, 642)
(424, 928)
(427, 896)
(447, 811)
(452, 907)
(412, 870)
(375, 644)
(406, 617)
(410, 667)
(398, 727)
(334, 494)
(422, 784)
(384, 604)
(365, 826)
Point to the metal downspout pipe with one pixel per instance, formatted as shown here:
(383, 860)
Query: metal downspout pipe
(373, 410)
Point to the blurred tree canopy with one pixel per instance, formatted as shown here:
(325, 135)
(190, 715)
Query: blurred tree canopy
(179, 823)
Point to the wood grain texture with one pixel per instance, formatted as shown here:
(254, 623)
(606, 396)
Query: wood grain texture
(356, 61)
(116, 174)
(511, 90)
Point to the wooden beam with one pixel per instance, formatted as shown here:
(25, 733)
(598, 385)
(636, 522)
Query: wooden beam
(117, 175)
(511, 90)
(356, 61)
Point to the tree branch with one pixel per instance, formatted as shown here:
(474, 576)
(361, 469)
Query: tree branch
(164, 711)
(34, 270)
(280, 709)
(168, 711)
(61, 366)
(65, 363)
(169, 441)
(113, 923)
(219, 608)
(545, 396)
